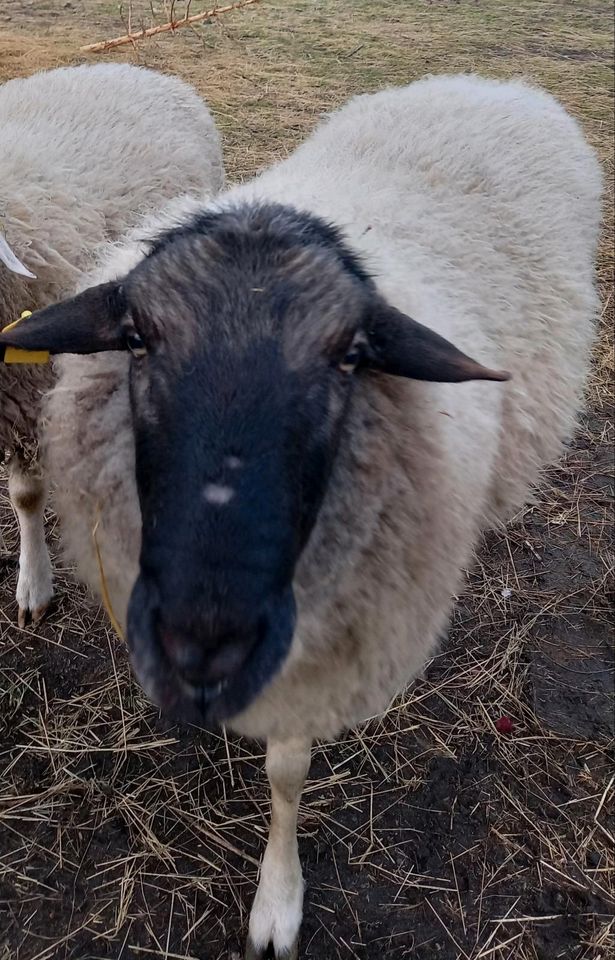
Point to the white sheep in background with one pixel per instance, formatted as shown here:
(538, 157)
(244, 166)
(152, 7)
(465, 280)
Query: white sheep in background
(84, 152)
(289, 449)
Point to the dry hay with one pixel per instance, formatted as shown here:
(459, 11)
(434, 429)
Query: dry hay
(427, 833)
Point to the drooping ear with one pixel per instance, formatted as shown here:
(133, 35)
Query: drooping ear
(11, 261)
(87, 323)
(402, 347)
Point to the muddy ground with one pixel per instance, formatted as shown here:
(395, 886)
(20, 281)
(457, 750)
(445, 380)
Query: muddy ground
(426, 834)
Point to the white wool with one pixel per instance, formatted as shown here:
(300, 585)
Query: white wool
(84, 153)
(82, 158)
(476, 206)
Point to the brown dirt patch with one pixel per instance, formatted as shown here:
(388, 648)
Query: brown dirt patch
(426, 834)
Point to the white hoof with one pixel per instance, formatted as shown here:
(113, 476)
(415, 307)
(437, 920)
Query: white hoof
(34, 588)
(253, 953)
(276, 914)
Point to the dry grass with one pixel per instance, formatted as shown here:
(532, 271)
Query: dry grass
(426, 833)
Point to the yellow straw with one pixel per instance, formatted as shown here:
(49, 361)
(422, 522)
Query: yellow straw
(103, 585)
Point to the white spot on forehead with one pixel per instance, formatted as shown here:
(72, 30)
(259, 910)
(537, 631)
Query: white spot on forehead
(233, 463)
(218, 494)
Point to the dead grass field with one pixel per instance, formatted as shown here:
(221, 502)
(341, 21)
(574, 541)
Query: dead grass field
(426, 834)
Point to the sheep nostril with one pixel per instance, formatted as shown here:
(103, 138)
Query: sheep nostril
(186, 656)
(200, 665)
(227, 660)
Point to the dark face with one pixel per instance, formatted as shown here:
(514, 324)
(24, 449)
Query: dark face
(239, 391)
(249, 330)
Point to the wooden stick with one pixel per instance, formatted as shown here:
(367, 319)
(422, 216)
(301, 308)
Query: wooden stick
(163, 27)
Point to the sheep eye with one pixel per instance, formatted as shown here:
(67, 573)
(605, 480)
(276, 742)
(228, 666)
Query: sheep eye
(352, 358)
(135, 344)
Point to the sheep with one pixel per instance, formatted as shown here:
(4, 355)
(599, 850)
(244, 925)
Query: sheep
(287, 473)
(81, 157)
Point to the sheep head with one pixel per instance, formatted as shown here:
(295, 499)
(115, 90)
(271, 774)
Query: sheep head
(250, 330)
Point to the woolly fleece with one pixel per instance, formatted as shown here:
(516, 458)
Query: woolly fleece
(476, 206)
(84, 152)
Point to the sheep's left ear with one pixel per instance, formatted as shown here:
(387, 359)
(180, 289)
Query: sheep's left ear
(87, 323)
(402, 347)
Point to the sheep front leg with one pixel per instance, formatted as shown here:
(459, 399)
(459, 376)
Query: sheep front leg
(28, 493)
(278, 906)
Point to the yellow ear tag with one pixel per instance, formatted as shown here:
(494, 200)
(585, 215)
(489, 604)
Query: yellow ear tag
(15, 355)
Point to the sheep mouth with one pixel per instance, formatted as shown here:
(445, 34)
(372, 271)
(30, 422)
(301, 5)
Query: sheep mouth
(180, 698)
(186, 699)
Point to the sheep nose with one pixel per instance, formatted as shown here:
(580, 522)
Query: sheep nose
(202, 665)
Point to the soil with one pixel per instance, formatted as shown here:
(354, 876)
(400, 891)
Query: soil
(392, 860)
(426, 834)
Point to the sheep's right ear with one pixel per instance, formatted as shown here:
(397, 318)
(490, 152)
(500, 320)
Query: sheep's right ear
(11, 261)
(87, 323)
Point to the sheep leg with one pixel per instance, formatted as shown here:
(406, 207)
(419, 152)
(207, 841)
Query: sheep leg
(28, 493)
(278, 906)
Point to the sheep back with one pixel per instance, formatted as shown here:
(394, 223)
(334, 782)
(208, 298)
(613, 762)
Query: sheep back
(476, 207)
(82, 156)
